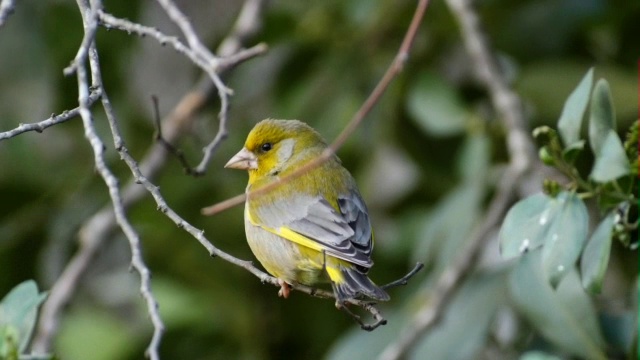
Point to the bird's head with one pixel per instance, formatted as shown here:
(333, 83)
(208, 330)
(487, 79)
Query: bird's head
(274, 146)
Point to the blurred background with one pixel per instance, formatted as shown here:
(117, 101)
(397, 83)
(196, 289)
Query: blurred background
(426, 160)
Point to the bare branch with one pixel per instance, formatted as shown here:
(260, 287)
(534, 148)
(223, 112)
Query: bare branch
(99, 227)
(520, 146)
(223, 92)
(201, 56)
(6, 9)
(111, 22)
(51, 121)
(161, 140)
(137, 261)
(87, 51)
(405, 279)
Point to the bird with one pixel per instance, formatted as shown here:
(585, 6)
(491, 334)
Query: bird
(314, 227)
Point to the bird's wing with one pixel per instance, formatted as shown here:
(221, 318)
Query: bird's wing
(314, 223)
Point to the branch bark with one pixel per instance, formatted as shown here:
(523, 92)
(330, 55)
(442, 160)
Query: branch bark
(521, 150)
(99, 228)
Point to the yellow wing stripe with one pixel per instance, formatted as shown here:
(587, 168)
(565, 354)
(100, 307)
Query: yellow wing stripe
(288, 234)
(335, 275)
(297, 238)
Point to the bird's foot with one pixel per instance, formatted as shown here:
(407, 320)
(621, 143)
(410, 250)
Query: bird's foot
(285, 289)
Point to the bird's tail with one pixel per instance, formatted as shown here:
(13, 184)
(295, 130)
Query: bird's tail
(350, 282)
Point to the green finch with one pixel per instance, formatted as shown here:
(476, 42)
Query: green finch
(314, 227)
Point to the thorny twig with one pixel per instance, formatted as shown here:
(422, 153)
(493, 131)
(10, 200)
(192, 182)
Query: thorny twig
(520, 146)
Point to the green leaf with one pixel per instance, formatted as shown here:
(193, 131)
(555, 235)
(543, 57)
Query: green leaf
(560, 224)
(573, 112)
(474, 159)
(9, 338)
(446, 230)
(571, 152)
(611, 163)
(19, 309)
(565, 317)
(468, 316)
(602, 118)
(525, 226)
(435, 106)
(567, 232)
(595, 258)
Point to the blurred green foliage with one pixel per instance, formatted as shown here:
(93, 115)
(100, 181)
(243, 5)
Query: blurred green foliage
(426, 159)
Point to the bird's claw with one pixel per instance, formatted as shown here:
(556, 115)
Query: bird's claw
(285, 289)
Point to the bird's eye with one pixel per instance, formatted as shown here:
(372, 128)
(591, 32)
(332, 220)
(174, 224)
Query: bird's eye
(266, 147)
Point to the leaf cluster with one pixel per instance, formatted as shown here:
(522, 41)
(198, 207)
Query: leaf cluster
(549, 233)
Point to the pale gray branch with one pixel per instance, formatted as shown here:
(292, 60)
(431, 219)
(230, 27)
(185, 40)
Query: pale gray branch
(98, 228)
(87, 52)
(51, 121)
(7, 8)
(509, 106)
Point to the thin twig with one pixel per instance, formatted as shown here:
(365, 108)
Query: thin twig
(394, 69)
(137, 261)
(520, 146)
(405, 279)
(223, 92)
(87, 51)
(111, 22)
(100, 226)
(160, 139)
(7, 8)
(51, 121)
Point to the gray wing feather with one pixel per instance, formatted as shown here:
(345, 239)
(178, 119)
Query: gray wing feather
(345, 234)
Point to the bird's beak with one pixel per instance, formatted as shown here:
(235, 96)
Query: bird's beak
(243, 160)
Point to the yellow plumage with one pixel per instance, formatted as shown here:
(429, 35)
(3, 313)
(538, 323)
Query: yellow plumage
(313, 228)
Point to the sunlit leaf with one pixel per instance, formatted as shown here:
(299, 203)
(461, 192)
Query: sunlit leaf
(611, 163)
(559, 224)
(595, 258)
(525, 226)
(602, 118)
(435, 106)
(566, 235)
(566, 316)
(573, 112)
(19, 309)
